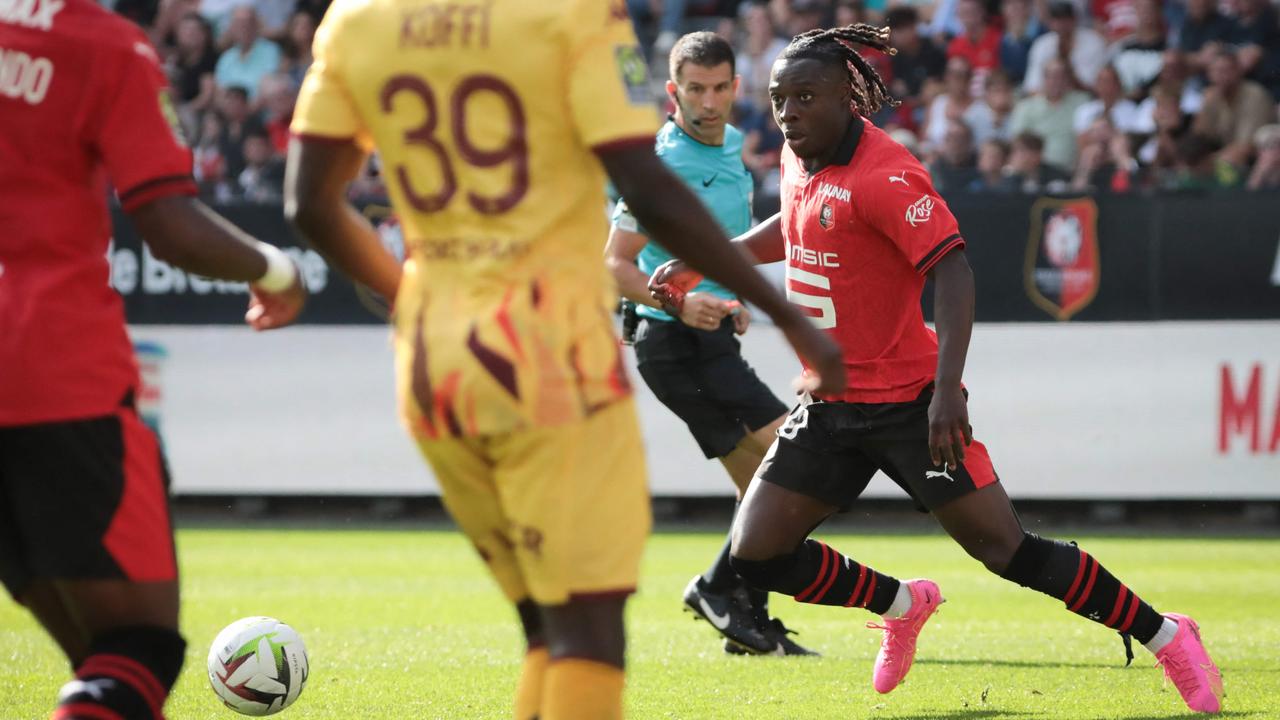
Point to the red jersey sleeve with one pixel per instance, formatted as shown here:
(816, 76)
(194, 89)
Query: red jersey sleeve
(138, 136)
(905, 207)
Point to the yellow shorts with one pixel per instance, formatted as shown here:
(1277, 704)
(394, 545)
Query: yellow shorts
(558, 513)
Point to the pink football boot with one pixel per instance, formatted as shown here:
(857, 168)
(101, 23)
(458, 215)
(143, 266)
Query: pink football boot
(898, 648)
(1187, 664)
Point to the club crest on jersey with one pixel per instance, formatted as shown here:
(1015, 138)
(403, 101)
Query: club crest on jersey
(826, 216)
(920, 211)
(1062, 266)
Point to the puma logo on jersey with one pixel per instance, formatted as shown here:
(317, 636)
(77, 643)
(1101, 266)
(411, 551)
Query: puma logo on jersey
(920, 211)
(827, 190)
(36, 14)
(931, 474)
(899, 178)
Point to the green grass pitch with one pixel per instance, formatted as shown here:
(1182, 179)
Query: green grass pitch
(405, 624)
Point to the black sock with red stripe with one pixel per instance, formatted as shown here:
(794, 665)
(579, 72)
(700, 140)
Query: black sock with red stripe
(127, 676)
(1070, 574)
(815, 573)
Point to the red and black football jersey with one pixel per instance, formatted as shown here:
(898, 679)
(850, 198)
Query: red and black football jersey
(861, 235)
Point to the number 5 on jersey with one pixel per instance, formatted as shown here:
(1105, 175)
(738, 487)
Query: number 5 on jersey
(826, 319)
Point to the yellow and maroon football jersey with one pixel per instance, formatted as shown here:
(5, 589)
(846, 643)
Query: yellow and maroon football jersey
(486, 115)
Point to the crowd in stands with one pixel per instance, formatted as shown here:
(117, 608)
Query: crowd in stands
(1106, 96)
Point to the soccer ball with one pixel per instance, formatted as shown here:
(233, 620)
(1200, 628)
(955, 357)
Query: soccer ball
(258, 666)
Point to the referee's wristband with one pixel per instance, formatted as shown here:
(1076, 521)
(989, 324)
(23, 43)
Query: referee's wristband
(281, 272)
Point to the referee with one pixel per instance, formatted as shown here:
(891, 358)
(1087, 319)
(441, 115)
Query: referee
(693, 363)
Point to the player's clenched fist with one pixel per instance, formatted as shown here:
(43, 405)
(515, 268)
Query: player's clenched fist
(671, 283)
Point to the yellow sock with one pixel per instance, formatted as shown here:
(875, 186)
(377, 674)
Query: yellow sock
(529, 687)
(579, 689)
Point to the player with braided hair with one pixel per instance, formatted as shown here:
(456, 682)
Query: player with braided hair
(861, 228)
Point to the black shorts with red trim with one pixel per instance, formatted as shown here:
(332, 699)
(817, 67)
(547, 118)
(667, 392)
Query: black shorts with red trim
(829, 451)
(84, 499)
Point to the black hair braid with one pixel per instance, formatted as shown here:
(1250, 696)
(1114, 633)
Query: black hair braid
(836, 46)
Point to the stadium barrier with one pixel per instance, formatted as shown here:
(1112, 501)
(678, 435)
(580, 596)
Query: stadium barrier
(1108, 406)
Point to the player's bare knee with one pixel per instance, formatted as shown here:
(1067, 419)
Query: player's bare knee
(993, 553)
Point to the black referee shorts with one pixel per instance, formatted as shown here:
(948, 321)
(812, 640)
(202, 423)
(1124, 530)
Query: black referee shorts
(829, 451)
(702, 377)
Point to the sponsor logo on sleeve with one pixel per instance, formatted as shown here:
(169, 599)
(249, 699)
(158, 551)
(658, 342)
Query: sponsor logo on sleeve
(171, 117)
(634, 73)
(920, 211)
(899, 178)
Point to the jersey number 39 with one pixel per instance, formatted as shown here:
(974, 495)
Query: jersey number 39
(514, 151)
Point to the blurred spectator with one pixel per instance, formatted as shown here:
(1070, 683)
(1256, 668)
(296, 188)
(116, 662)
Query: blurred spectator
(1082, 47)
(1106, 163)
(1233, 109)
(1027, 172)
(218, 13)
(1139, 57)
(262, 179)
(275, 16)
(1113, 19)
(1109, 103)
(278, 97)
(163, 30)
(314, 8)
(1256, 37)
(1203, 33)
(237, 124)
(1169, 124)
(668, 15)
(1051, 115)
(979, 43)
(917, 59)
(807, 15)
(1173, 81)
(955, 168)
(993, 155)
(906, 139)
(755, 55)
(993, 116)
(1021, 29)
(296, 46)
(944, 20)
(1200, 166)
(250, 57)
(851, 12)
(193, 63)
(956, 104)
(209, 166)
(1266, 171)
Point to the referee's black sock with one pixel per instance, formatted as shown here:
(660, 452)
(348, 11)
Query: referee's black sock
(816, 573)
(1070, 574)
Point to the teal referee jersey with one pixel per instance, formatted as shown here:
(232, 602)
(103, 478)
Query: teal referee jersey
(715, 174)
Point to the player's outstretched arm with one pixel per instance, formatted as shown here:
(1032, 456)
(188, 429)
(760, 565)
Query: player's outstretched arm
(316, 177)
(764, 242)
(185, 232)
(675, 217)
(953, 303)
